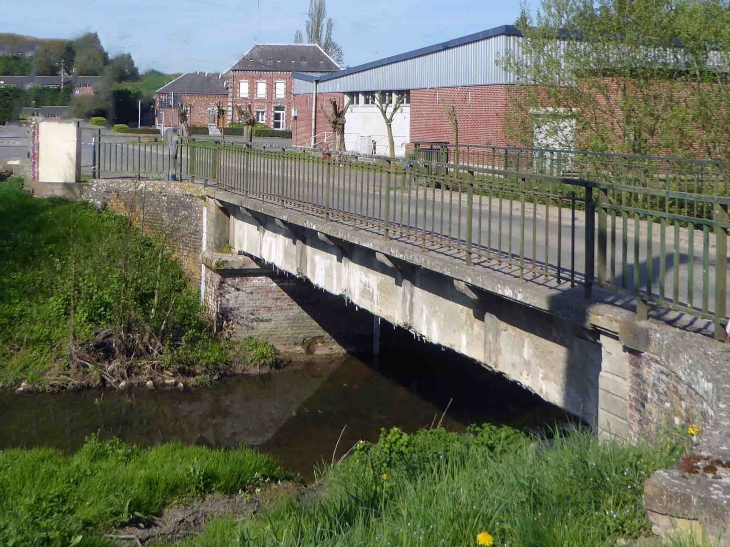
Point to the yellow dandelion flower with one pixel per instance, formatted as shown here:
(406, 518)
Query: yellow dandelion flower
(485, 538)
(384, 476)
(693, 430)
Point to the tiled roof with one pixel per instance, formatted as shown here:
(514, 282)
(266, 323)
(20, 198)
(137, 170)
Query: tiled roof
(286, 58)
(197, 83)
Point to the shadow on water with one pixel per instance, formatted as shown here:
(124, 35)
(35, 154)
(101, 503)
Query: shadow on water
(296, 415)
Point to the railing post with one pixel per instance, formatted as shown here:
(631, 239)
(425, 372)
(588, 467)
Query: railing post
(192, 158)
(93, 157)
(217, 155)
(139, 159)
(590, 242)
(469, 215)
(386, 186)
(721, 215)
(602, 234)
(327, 186)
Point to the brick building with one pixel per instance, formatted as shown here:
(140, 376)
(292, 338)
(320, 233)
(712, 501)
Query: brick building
(263, 79)
(463, 72)
(199, 91)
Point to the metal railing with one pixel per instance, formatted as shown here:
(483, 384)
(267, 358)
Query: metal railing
(652, 228)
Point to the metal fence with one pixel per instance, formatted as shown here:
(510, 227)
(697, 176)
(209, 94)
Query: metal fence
(653, 228)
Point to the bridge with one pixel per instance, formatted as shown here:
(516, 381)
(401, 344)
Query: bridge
(597, 281)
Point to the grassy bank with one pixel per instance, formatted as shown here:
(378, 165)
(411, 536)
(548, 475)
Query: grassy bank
(439, 488)
(50, 499)
(86, 299)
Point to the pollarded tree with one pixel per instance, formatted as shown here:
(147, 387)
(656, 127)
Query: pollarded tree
(384, 100)
(220, 118)
(639, 76)
(183, 120)
(336, 119)
(248, 120)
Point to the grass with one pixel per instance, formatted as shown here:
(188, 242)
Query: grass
(439, 488)
(51, 499)
(85, 299)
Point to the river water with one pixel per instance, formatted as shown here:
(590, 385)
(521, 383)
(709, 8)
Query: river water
(296, 414)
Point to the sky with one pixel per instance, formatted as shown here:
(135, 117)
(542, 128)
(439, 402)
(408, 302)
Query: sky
(211, 35)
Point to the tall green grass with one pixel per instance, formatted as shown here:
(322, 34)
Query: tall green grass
(439, 488)
(50, 499)
(80, 285)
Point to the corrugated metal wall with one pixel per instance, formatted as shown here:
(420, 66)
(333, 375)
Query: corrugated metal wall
(468, 65)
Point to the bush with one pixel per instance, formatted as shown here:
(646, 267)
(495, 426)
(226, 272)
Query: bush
(120, 128)
(263, 131)
(260, 353)
(136, 130)
(198, 130)
(98, 121)
(11, 103)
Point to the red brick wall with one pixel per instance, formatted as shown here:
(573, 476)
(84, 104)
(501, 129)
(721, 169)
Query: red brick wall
(199, 105)
(480, 111)
(302, 129)
(269, 102)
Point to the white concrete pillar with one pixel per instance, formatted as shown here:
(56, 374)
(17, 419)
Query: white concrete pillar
(57, 152)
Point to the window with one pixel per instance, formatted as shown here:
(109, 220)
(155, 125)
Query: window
(369, 98)
(260, 90)
(354, 98)
(261, 116)
(279, 117)
(279, 90)
(406, 97)
(243, 89)
(386, 97)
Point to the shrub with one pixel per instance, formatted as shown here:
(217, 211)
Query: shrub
(198, 130)
(136, 130)
(263, 131)
(120, 128)
(98, 121)
(260, 353)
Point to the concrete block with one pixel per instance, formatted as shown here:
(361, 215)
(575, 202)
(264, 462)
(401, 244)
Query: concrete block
(59, 152)
(613, 357)
(612, 425)
(613, 384)
(609, 402)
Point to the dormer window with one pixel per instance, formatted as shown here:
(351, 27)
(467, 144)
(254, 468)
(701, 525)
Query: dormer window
(302, 58)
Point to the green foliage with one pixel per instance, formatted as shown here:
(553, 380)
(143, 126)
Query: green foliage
(50, 499)
(138, 130)
(59, 257)
(91, 58)
(11, 103)
(48, 96)
(98, 121)
(198, 130)
(14, 65)
(440, 488)
(260, 353)
(151, 81)
(610, 78)
(120, 128)
(263, 131)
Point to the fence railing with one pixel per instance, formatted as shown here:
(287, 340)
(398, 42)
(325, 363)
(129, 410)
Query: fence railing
(652, 228)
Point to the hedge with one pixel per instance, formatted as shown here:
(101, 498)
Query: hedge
(98, 121)
(120, 128)
(259, 131)
(266, 132)
(140, 131)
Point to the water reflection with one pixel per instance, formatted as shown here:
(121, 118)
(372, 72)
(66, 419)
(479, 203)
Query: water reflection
(297, 414)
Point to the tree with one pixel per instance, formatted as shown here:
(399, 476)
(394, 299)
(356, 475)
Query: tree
(450, 111)
(248, 120)
(319, 29)
(298, 38)
(336, 119)
(91, 58)
(183, 120)
(122, 69)
(220, 118)
(640, 76)
(388, 109)
(49, 57)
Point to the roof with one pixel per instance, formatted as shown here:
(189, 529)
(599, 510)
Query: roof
(286, 58)
(197, 83)
(508, 30)
(91, 81)
(50, 81)
(26, 48)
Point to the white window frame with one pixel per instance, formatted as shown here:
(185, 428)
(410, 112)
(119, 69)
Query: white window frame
(256, 113)
(243, 86)
(283, 117)
(258, 87)
(276, 89)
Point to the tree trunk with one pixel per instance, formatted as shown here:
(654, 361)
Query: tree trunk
(248, 133)
(391, 140)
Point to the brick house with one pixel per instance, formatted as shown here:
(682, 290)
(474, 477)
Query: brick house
(199, 91)
(463, 72)
(263, 79)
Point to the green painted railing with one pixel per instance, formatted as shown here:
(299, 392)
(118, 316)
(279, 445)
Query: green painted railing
(652, 228)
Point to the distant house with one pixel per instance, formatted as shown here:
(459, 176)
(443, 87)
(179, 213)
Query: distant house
(21, 50)
(83, 85)
(263, 79)
(199, 91)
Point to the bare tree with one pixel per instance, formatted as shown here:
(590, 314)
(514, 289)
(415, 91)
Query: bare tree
(247, 118)
(220, 116)
(319, 30)
(450, 111)
(183, 120)
(384, 102)
(336, 118)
